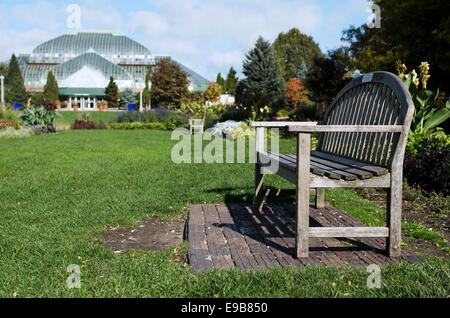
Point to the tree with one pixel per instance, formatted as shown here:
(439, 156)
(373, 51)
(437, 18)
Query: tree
(221, 81)
(37, 99)
(295, 92)
(412, 31)
(127, 97)
(146, 97)
(15, 91)
(231, 82)
(328, 75)
(295, 53)
(262, 85)
(51, 90)
(112, 94)
(213, 92)
(169, 83)
(3, 69)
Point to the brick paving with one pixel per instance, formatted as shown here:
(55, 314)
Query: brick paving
(236, 235)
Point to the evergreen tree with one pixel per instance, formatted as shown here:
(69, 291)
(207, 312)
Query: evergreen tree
(295, 51)
(231, 82)
(146, 98)
(112, 94)
(127, 97)
(169, 84)
(14, 85)
(221, 81)
(51, 90)
(3, 69)
(263, 85)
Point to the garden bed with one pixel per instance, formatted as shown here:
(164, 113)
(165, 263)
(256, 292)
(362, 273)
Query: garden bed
(425, 221)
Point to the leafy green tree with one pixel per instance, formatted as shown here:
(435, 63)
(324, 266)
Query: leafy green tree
(231, 82)
(328, 75)
(221, 81)
(169, 84)
(213, 92)
(112, 94)
(295, 53)
(51, 90)
(263, 85)
(15, 91)
(412, 31)
(3, 69)
(127, 97)
(146, 98)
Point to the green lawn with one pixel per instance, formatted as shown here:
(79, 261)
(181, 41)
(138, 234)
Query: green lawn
(58, 190)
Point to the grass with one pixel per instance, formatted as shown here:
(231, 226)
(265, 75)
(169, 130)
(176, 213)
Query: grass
(58, 190)
(67, 118)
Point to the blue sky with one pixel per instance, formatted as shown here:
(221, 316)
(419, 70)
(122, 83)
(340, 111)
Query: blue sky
(208, 36)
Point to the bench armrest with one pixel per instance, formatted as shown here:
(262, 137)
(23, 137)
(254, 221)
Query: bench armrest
(283, 124)
(346, 128)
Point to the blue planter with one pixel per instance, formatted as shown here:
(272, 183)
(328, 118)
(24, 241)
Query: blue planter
(16, 106)
(130, 107)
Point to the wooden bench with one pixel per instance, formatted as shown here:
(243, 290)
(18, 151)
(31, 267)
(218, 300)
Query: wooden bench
(197, 124)
(361, 143)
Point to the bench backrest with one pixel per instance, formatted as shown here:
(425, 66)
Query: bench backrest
(378, 98)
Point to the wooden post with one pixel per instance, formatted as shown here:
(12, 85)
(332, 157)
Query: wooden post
(259, 173)
(394, 213)
(320, 198)
(303, 159)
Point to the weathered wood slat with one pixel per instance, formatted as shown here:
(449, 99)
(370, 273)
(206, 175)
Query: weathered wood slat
(347, 128)
(348, 232)
(376, 170)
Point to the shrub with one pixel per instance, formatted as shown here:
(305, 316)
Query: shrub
(138, 125)
(38, 117)
(427, 164)
(170, 119)
(307, 111)
(9, 115)
(80, 124)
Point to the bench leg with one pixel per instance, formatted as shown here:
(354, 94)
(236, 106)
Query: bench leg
(259, 187)
(320, 198)
(302, 195)
(394, 218)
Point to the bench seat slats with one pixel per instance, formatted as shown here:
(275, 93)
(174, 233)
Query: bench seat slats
(376, 170)
(348, 170)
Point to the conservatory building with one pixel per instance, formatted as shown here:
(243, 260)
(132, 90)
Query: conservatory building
(83, 62)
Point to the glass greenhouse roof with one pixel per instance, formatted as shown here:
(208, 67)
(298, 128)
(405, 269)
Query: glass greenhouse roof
(103, 42)
(96, 54)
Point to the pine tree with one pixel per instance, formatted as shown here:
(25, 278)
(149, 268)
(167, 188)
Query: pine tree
(146, 98)
(221, 81)
(231, 82)
(112, 94)
(127, 97)
(263, 85)
(15, 91)
(51, 90)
